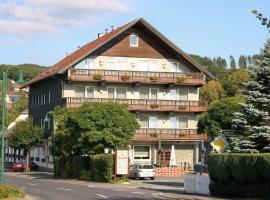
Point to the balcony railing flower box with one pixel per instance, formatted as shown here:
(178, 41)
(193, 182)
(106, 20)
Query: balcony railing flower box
(181, 79)
(125, 77)
(97, 77)
(154, 78)
(154, 135)
(154, 106)
(182, 107)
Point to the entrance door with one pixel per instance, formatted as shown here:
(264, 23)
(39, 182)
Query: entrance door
(163, 157)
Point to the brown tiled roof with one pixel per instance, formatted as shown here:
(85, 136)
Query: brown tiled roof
(76, 55)
(85, 50)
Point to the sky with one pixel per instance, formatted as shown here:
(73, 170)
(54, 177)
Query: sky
(43, 31)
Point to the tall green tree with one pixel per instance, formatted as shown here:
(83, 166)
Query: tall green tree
(212, 91)
(232, 63)
(25, 136)
(242, 63)
(92, 127)
(253, 121)
(219, 116)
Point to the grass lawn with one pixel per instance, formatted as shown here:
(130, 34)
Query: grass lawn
(10, 193)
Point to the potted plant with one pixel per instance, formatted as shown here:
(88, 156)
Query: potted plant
(181, 79)
(182, 134)
(154, 78)
(153, 106)
(125, 77)
(97, 76)
(182, 107)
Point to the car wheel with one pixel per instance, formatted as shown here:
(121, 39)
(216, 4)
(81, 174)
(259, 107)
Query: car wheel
(152, 178)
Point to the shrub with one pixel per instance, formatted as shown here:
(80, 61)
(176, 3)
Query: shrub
(240, 175)
(86, 175)
(102, 167)
(80, 163)
(10, 192)
(97, 76)
(60, 164)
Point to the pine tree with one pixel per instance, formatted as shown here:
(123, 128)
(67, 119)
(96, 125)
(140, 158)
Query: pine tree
(242, 63)
(232, 63)
(253, 122)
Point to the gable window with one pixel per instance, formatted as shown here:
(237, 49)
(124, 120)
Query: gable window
(134, 40)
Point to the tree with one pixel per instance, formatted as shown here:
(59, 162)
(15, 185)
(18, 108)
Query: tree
(234, 82)
(25, 136)
(219, 116)
(92, 127)
(232, 63)
(212, 91)
(253, 122)
(242, 63)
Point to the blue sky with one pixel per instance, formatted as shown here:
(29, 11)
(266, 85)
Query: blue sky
(42, 31)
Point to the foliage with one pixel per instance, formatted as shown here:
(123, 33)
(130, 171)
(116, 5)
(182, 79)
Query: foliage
(234, 82)
(28, 70)
(264, 20)
(92, 127)
(102, 167)
(232, 63)
(80, 163)
(212, 91)
(10, 192)
(240, 175)
(253, 122)
(242, 63)
(26, 135)
(219, 116)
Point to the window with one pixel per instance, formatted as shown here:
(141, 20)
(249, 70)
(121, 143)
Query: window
(183, 93)
(134, 41)
(153, 66)
(122, 64)
(79, 91)
(111, 64)
(153, 93)
(173, 93)
(49, 97)
(121, 93)
(153, 122)
(183, 122)
(144, 93)
(142, 152)
(173, 122)
(144, 65)
(177, 67)
(90, 92)
(144, 121)
(44, 98)
(111, 92)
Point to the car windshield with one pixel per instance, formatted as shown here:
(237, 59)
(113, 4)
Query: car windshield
(146, 167)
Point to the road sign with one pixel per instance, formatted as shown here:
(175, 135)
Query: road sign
(219, 144)
(121, 162)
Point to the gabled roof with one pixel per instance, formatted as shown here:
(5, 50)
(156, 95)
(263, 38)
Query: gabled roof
(78, 55)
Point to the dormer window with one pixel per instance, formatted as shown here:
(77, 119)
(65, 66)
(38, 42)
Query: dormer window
(134, 40)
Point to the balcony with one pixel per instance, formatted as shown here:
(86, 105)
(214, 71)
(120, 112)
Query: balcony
(144, 105)
(120, 76)
(155, 134)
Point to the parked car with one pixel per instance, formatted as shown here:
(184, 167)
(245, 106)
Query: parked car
(139, 171)
(20, 166)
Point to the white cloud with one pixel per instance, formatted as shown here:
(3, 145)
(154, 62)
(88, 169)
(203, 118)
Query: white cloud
(49, 16)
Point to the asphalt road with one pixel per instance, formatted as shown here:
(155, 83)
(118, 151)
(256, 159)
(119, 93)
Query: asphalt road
(45, 190)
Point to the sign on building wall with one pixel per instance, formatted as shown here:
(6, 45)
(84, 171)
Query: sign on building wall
(121, 162)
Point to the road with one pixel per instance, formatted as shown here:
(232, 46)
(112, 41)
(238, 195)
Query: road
(41, 189)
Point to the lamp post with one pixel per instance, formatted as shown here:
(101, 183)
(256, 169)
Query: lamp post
(53, 133)
(4, 90)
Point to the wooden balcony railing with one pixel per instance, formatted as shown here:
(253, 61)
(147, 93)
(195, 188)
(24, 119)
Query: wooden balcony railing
(149, 104)
(168, 134)
(136, 77)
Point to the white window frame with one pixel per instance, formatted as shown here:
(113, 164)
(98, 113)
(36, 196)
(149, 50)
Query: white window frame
(130, 40)
(150, 93)
(119, 88)
(86, 87)
(150, 153)
(184, 116)
(114, 92)
(146, 88)
(143, 116)
(75, 90)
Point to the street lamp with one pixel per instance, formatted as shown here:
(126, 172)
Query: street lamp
(53, 133)
(4, 91)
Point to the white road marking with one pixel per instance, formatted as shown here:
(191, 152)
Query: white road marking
(138, 193)
(32, 184)
(67, 189)
(118, 189)
(102, 196)
(8, 180)
(91, 186)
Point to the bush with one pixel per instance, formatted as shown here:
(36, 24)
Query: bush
(240, 175)
(86, 175)
(102, 167)
(80, 163)
(10, 192)
(60, 164)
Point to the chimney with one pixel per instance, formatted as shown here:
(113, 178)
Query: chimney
(106, 31)
(112, 27)
(78, 47)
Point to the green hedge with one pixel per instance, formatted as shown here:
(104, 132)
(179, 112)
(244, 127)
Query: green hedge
(102, 167)
(240, 175)
(80, 163)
